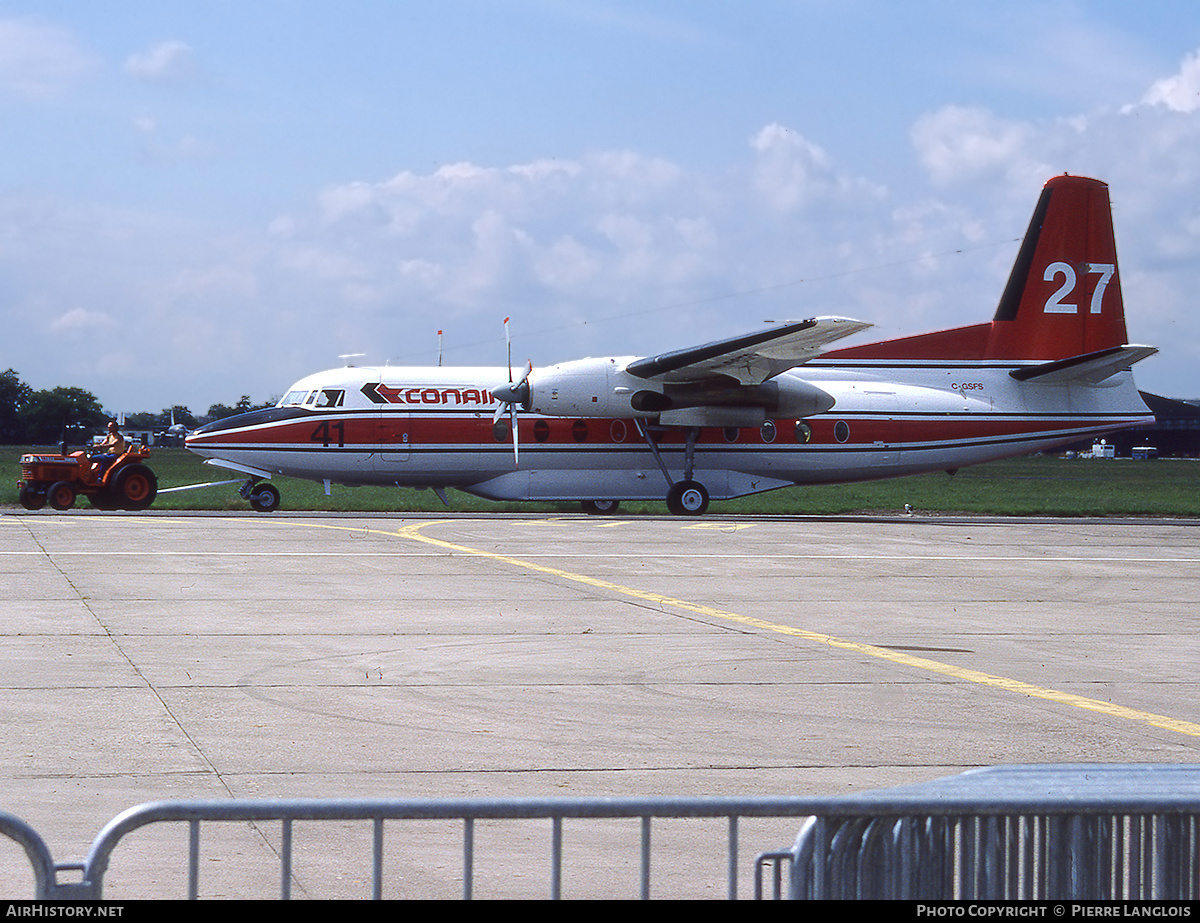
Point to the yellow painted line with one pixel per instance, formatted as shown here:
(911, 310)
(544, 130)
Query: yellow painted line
(414, 533)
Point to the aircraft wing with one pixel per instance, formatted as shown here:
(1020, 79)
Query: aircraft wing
(751, 358)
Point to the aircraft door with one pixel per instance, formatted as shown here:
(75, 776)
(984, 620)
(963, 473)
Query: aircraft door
(885, 431)
(390, 422)
(393, 438)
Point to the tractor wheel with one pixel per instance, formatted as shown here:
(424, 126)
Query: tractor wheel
(61, 495)
(104, 500)
(135, 487)
(31, 499)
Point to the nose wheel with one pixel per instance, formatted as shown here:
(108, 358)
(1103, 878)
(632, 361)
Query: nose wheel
(687, 498)
(263, 498)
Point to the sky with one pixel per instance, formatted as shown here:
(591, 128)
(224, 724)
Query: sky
(204, 200)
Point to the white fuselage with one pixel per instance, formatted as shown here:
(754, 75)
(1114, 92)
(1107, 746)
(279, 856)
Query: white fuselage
(433, 427)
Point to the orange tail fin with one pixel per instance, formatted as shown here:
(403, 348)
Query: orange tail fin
(1063, 298)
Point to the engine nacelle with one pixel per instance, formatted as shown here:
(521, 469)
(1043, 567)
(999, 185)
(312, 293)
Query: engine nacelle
(602, 388)
(582, 388)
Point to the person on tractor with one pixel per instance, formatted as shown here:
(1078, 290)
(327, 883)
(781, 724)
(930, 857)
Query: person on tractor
(110, 449)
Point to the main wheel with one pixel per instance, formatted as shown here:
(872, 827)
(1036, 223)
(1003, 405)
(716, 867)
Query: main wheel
(61, 495)
(264, 498)
(600, 507)
(135, 487)
(687, 498)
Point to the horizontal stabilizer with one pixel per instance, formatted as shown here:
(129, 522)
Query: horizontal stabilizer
(1090, 368)
(751, 358)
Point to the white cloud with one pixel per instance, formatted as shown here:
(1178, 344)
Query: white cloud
(80, 319)
(167, 61)
(512, 234)
(789, 169)
(959, 144)
(1179, 92)
(38, 59)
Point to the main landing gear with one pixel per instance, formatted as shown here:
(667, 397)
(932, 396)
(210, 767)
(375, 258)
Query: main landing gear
(687, 497)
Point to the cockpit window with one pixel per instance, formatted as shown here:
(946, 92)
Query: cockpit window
(327, 397)
(292, 397)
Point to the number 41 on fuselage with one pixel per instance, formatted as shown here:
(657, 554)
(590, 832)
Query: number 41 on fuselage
(752, 413)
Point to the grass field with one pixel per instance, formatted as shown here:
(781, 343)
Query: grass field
(1044, 485)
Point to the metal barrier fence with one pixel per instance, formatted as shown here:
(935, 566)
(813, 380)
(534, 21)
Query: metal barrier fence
(1042, 832)
(1082, 832)
(378, 811)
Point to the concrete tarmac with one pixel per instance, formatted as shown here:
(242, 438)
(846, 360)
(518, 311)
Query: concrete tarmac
(166, 655)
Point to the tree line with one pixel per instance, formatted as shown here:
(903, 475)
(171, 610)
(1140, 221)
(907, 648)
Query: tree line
(29, 417)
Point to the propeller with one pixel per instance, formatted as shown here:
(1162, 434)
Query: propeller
(512, 394)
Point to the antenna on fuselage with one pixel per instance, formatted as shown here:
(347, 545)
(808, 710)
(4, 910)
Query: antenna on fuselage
(347, 356)
(439, 349)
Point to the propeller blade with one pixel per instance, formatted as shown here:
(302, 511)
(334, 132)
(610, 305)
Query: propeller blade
(508, 343)
(516, 393)
(512, 409)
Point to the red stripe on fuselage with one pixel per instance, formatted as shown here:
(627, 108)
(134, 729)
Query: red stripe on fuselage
(369, 433)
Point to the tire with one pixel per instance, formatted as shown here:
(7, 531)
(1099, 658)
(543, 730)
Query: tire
(61, 495)
(104, 500)
(600, 507)
(31, 498)
(135, 487)
(688, 498)
(264, 498)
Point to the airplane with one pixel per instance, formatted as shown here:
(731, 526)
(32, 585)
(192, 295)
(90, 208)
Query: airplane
(768, 409)
(173, 435)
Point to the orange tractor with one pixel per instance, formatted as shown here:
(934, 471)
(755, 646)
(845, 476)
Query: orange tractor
(126, 484)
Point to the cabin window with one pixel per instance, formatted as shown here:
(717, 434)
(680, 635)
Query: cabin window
(732, 433)
(330, 397)
(292, 397)
(803, 432)
(541, 430)
(841, 431)
(579, 431)
(768, 431)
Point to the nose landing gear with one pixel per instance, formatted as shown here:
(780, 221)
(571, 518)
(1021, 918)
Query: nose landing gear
(263, 497)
